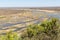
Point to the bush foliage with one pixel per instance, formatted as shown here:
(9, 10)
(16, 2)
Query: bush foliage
(47, 30)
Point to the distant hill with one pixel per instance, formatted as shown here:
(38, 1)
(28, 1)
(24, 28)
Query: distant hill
(49, 8)
(15, 10)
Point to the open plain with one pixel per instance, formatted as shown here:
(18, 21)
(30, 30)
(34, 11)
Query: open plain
(17, 19)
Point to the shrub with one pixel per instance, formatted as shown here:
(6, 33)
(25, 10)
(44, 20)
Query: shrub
(46, 30)
(9, 36)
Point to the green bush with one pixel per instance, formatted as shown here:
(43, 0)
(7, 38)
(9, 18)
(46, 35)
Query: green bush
(10, 36)
(33, 30)
(48, 29)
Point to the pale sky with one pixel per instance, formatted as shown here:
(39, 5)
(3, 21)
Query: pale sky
(29, 3)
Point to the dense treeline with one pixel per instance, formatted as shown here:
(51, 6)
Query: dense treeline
(47, 30)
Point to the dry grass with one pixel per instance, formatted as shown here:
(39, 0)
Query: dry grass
(14, 16)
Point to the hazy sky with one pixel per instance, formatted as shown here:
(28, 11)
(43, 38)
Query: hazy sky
(29, 3)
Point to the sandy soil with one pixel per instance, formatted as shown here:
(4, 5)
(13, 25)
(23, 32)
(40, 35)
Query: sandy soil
(51, 11)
